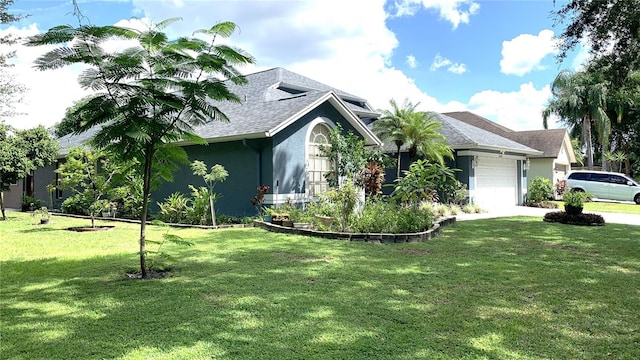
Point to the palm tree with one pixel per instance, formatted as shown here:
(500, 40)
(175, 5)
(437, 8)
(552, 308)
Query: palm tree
(578, 99)
(391, 123)
(148, 96)
(422, 136)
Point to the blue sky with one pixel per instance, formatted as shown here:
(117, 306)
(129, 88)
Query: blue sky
(494, 58)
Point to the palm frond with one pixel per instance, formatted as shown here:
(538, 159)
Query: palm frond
(224, 29)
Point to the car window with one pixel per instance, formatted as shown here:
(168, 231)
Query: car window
(600, 177)
(617, 179)
(579, 176)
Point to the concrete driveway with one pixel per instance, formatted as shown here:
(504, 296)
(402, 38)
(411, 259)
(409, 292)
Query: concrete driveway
(613, 218)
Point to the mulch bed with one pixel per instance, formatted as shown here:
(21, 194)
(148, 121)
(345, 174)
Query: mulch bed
(584, 219)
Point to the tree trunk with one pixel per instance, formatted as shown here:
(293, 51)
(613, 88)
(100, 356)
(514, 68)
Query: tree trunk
(4, 215)
(586, 123)
(146, 189)
(213, 211)
(399, 156)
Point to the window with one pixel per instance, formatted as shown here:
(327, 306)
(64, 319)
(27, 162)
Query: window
(317, 164)
(580, 176)
(617, 179)
(600, 177)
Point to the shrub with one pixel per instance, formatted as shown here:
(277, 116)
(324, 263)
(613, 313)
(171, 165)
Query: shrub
(455, 209)
(540, 189)
(472, 209)
(345, 198)
(412, 219)
(442, 210)
(377, 217)
(30, 203)
(575, 198)
(380, 216)
(77, 204)
(198, 213)
(174, 208)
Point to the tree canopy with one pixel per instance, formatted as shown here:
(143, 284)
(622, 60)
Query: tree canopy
(612, 28)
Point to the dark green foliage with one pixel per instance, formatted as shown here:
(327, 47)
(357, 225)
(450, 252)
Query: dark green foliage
(379, 216)
(347, 154)
(423, 181)
(76, 204)
(28, 203)
(584, 219)
(540, 189)
(611, 28)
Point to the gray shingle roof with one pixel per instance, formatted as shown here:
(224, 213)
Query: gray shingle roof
(461, 135)
(548, 141)
(270, 98)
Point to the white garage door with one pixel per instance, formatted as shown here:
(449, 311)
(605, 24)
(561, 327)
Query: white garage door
(496, 182)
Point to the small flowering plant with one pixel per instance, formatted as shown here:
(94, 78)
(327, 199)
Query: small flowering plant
(258, 199)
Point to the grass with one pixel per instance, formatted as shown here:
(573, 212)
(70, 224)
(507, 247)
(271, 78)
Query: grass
(613, 207)
(514, 288)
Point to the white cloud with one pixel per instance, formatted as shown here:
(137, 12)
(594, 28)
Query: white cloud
(412, 62)
(457, 68)
(440, 61)
(49, 92)
(525, 52)
(453, 11)
(517, 110)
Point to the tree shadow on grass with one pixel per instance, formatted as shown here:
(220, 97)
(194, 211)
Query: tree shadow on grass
(290, 297)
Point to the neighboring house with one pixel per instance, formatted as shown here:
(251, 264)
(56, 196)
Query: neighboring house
(272, 138)
(555, 144)
(492, 166)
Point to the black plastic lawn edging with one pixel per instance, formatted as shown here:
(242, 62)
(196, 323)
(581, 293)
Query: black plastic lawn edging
(377, 238)
(584, 219)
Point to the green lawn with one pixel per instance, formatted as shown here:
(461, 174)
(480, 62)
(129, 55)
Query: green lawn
(601, 206)
(514, 288)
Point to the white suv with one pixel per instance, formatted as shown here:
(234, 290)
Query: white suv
(604, 185)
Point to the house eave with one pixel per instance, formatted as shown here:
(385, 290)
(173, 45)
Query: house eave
(495, 148)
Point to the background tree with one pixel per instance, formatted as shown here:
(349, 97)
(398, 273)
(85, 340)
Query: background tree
(21, 152)
(148, 96)
(91, 176)
(579, 100)
(217, 174)
(612, 29)
(391, 124)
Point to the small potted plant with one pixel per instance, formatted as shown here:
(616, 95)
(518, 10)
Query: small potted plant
(268, 214)
(43, 214)
(574, 201)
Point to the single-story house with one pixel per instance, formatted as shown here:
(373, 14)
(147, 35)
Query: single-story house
(273, 138)
(555, 144)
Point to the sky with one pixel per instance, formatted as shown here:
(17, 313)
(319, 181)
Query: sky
(494, 58)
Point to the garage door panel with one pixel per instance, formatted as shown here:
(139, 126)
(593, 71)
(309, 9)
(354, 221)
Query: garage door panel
(496, 182)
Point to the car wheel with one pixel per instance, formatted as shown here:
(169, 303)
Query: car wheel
(637, 199)
(577, 190)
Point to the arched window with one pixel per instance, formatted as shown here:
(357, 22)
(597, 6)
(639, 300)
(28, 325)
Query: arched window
(317, 164)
